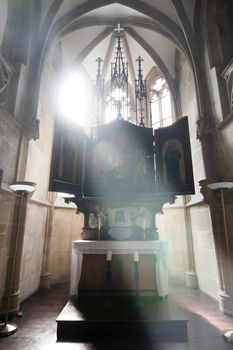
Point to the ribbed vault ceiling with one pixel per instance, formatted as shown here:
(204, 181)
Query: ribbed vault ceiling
(154, 30)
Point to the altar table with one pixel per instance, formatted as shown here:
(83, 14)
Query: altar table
(157, 248)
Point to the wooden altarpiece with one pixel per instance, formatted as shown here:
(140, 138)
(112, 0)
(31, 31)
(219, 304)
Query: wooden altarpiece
(122, 175)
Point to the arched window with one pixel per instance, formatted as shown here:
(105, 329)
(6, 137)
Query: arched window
(161, 107)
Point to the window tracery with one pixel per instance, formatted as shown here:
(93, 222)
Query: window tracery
(6, 71)
(161, 108)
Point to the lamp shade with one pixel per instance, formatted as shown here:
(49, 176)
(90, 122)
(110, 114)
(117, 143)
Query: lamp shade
(23, 186)
(65, 195)
(220, 185)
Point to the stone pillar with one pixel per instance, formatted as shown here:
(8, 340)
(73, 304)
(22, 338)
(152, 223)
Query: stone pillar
(45, 278)
(191, 276)
(221, 209)
(11, 299)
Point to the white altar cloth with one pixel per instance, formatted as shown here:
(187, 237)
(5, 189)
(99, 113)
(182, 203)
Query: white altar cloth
(158, 248)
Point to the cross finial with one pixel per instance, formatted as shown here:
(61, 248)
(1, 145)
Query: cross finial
(139, 59)
(118, 30)
(99, 61)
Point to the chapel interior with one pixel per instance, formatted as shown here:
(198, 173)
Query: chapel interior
(93, 95)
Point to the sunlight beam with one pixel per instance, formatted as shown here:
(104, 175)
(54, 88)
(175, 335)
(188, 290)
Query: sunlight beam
(72, 98)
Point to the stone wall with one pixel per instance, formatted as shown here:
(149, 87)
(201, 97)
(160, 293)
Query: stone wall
(220, 161)
(67, 227)
(33, 247)
(204, 251)
(171, 226)
(66, 224)
(37, 169)
(189, 107)
(7, 227)
(3, 17)
(201, 227)
(9, 144)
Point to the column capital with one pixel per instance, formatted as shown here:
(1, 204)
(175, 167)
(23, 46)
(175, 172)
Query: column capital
(209, 195)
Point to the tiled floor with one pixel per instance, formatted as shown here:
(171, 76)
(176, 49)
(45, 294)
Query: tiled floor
(37, 327)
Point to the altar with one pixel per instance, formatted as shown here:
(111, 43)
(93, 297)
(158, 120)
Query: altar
(155, 249)
(104, 316)
(119, 174)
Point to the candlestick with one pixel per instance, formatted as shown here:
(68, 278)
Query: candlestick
(144, 229)
(1, 176)
(135, 256)
(107, 302)
(109, 255)
(144, 224)
(99, 227)
(137, 302)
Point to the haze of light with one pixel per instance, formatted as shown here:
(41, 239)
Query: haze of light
(73, 97)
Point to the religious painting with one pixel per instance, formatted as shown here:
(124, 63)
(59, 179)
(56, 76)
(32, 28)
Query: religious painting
(67, 158)
(128, 223)
(173, 159)
(119, 217)
(93, 221)
(119, 160)
(173, 162)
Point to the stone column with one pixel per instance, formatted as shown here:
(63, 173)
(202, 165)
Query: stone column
(221, 209)
(45, 278)
(191, 276)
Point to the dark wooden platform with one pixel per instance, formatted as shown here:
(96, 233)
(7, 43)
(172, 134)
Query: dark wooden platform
(145, 317)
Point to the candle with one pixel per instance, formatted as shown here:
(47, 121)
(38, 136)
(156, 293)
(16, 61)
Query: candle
(99, 223)
(144, 224)
(109, 255)
(136, 256)
(1, 175)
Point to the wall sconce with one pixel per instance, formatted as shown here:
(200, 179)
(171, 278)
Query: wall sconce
(23, 188)
(65, 195)
(1, 176)
(221, 186)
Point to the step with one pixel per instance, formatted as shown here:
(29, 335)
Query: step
(143, 317)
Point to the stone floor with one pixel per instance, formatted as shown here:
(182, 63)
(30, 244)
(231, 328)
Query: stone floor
(37, 327)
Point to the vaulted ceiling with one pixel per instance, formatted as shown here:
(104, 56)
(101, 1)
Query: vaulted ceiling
(81, 31)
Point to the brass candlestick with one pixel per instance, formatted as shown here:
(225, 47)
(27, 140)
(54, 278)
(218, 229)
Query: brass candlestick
(221, 186)
(99, 224)
(108, 303)
(137, 302)
(144, 229)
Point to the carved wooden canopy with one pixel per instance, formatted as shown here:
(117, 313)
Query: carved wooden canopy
(122, 161)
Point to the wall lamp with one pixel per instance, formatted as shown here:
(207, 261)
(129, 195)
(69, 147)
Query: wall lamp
(221, 186)
(23, 188)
